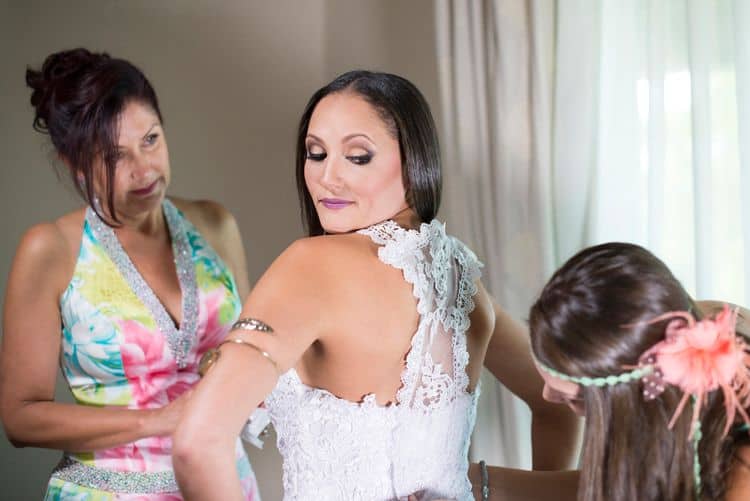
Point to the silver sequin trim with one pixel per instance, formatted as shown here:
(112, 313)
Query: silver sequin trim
(179, 340)
(128, 482)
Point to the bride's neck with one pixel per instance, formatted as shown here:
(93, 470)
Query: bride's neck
(407, 218)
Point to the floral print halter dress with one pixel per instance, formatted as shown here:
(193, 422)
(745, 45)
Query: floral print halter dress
(121, 348)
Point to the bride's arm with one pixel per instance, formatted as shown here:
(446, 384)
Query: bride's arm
(554, 428)
(290, 298)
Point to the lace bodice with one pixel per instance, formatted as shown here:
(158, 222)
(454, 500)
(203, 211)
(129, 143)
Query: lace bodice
(334, 449)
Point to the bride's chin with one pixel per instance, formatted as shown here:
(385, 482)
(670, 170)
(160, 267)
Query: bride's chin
(337, 231)
(331, 228)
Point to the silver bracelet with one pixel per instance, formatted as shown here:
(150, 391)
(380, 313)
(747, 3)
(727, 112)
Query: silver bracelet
(251, 324)
(485, 480)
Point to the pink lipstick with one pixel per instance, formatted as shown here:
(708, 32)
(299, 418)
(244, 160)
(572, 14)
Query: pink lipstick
(335, 203)
(143, 192)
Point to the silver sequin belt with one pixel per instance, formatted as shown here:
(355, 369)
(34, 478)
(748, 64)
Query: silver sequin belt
(125, 482)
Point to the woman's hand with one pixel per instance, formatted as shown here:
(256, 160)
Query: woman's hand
(163, 421)
(30, 356)
(509, 484)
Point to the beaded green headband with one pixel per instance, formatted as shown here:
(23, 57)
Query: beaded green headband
(611, 380)
(733, 371)
(627, 377)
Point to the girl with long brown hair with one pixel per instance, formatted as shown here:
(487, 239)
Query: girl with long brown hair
(664, 389)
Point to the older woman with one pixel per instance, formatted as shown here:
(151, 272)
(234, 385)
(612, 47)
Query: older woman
(126, 293)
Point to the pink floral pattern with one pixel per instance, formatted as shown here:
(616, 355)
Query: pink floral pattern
(115, 355)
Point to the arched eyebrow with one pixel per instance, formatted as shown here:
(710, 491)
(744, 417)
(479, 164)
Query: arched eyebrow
(357, 134)
(344, 139)
(316, 138)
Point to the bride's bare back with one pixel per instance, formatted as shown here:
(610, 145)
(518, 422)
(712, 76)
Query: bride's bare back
(364, 350)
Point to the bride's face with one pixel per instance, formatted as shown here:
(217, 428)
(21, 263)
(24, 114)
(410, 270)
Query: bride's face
(353, 166)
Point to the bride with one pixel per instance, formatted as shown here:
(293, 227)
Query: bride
(367, 339)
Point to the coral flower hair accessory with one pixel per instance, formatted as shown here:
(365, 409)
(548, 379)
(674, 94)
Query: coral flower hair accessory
(700, 357)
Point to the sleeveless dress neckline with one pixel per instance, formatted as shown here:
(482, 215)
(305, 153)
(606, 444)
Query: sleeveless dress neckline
(182, 337)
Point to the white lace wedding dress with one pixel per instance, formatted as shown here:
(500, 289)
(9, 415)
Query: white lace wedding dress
(334, 449)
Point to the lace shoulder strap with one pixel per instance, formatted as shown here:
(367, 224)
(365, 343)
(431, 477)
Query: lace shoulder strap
(455, 269)
(443, 274)
(470, 270)
(441, 268)
(405, 250)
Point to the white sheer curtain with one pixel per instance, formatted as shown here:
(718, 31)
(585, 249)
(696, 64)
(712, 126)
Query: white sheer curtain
(575, 122)
(496, 95)
(668, 171)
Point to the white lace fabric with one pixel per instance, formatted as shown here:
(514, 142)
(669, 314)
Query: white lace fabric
(334, 449)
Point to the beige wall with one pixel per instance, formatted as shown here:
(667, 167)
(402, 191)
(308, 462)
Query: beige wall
(232, 78)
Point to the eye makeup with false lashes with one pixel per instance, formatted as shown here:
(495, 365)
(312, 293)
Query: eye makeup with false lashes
(355, 159)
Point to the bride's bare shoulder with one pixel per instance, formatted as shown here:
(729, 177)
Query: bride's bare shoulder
(331, 254)
(317, 263)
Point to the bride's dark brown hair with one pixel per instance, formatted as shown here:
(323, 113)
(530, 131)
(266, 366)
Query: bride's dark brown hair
(406, 114)
(591, 320)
